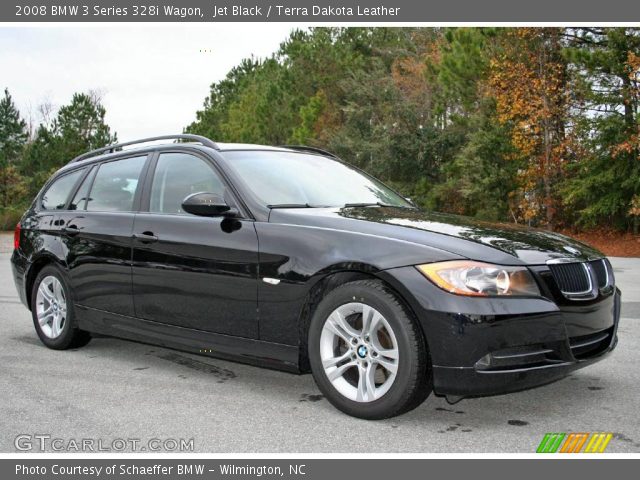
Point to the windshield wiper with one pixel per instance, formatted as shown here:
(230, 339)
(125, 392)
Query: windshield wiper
(373, 204)
(294, 205)
(346, 205)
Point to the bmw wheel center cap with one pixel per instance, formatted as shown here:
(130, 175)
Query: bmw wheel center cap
(362, 351)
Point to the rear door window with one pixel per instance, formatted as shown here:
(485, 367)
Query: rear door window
(56, 196)
(115, 185)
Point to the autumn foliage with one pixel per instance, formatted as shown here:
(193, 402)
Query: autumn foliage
(529, 82)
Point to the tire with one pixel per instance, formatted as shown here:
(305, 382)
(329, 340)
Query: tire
(58, 329)
(366, 380)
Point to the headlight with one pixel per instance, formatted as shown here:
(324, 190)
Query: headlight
(466, 277)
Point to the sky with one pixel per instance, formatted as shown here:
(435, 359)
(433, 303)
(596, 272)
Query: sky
(152, 79)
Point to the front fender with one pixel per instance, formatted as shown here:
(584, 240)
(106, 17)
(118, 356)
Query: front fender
(297, 257)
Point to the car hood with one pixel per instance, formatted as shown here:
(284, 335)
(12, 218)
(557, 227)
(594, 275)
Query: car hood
(463, 236)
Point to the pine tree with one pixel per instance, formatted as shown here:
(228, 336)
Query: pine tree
(603, 184)
(13, 137)
(77, 128)
(81, 124)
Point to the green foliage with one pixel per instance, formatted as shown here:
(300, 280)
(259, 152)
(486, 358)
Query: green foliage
(77, 128)
(26, 163)
(479, 180)
(465, 55)
(13, 130)
(602, 183)
(459, 119)
(13, 137)
(310, 113)
(10, 216)
(414, 106)
(80, 125)
(223, 94)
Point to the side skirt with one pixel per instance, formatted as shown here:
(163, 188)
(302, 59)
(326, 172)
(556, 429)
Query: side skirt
(276, 356)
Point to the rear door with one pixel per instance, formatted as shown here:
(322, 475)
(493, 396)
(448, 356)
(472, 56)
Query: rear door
(191, 271)
(96, 234)
(50, 209)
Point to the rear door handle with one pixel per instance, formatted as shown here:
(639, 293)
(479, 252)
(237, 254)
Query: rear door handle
(145, 237)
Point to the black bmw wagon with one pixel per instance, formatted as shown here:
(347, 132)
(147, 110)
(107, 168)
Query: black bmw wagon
(289, 258)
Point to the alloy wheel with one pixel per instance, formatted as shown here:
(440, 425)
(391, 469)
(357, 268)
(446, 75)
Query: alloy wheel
(51, 307)
(359, 352)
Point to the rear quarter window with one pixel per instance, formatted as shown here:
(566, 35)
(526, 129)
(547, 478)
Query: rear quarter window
(79, 201)
(57, 194)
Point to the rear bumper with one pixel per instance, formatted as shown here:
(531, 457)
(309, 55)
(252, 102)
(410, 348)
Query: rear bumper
(19, 269)
(483, 346)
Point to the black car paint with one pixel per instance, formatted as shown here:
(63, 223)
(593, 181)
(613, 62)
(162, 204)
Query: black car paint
(98, 258)
(467, 328)
(195, 268)
(503, 244)
(197, 285)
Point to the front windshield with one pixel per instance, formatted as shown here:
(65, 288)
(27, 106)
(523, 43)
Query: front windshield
(298, 179)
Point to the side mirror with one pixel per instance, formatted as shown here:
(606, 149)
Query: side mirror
(206, 204)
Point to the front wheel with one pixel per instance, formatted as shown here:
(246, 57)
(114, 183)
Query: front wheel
(367, 353)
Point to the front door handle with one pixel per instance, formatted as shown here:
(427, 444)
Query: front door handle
(145, 237)
(71, 230)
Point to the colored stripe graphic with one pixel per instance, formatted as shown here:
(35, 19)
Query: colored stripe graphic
(550, 443)
(581, 442)
(543, 443)
(598, 442)
(573, 442)
(569, 443)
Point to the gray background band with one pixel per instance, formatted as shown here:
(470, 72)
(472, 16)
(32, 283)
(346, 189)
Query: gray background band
(370, 469)
(594, 11)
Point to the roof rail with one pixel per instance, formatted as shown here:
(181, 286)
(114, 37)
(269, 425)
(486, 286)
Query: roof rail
(304, 148)
(118, 146)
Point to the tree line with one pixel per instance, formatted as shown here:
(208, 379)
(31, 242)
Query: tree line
(538, 126)
(29, 155)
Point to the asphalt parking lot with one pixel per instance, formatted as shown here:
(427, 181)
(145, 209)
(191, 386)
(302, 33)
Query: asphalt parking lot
(115, 389)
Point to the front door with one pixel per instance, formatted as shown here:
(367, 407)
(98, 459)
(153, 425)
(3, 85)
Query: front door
(190, 271)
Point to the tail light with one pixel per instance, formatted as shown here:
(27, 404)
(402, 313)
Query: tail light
(16, 236)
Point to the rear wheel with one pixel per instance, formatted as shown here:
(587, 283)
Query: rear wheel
(53, 313)
(367, 353)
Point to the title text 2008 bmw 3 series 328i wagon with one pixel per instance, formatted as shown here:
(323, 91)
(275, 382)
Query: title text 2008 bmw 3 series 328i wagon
(289, 258)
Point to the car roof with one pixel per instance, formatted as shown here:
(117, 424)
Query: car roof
(249, 146)
(221, 147)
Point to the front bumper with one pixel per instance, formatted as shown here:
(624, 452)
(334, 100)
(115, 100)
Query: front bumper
(488, 346)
